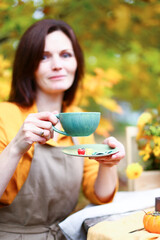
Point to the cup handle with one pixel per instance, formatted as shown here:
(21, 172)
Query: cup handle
(57, 130)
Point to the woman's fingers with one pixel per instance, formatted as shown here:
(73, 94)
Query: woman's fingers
(113, 142)
(38, 127)
(107, 160)
(115, 158)
(42, 119)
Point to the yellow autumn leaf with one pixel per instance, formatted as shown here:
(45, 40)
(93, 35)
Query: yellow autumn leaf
(84, 102)
(4, 5)
(108, 103)
(5, 89)
(113, 76)
(104, 127)
(6, 74)
(157, 8)
(90, 87)
(144, 118)
(73, 108)
(80, 99)
(4, 63)
(122, 18)
(99, 72)
(108, 77)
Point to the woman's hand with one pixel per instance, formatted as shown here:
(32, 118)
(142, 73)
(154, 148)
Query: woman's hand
(106, 181)
(37, 127)
(115, 158)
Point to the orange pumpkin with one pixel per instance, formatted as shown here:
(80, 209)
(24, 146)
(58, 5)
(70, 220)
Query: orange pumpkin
(151, 221)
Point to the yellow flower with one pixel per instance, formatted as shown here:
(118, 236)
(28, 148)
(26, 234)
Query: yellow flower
(148, 139)
(134, 170)
(143, 119)
(156, 151)
(146, 152)
(148, 148)
(146, 157)
(156, 140)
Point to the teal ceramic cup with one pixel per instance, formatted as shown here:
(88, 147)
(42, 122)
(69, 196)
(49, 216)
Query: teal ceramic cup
(78, 124)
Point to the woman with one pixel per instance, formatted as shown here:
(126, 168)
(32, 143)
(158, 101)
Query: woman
(39, 185)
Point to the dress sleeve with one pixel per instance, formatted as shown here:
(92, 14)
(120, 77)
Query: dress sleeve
(3, 133)
(10, 122)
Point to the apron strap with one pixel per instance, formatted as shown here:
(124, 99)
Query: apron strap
(54, 233)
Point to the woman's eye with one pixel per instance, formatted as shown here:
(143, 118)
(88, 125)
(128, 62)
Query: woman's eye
(45, 56)
(66, 55)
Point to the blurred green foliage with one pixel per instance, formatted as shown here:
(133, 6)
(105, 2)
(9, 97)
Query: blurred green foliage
(120, 34)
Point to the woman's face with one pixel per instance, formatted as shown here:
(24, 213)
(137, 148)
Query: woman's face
(57, 68)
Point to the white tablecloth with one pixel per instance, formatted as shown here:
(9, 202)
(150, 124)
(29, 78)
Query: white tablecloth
(124, 202)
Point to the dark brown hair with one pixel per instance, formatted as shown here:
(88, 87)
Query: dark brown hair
(27, 58)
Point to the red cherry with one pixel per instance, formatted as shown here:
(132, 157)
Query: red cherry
(81, 151)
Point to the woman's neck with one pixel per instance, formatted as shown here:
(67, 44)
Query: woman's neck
(51, 103)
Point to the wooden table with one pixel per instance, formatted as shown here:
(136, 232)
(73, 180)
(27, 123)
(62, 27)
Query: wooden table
(115, 227)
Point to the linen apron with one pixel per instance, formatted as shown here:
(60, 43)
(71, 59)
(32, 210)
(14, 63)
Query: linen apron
(48, 196)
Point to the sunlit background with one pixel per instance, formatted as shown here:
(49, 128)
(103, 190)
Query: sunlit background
(121, 43)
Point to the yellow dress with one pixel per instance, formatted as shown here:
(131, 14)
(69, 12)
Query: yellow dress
(11, 119)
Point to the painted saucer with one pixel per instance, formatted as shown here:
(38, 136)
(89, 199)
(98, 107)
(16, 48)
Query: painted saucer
(91, 150)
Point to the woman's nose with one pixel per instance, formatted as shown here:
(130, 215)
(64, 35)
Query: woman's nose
(56, 64)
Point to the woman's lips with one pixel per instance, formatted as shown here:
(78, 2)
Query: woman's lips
(57, 77)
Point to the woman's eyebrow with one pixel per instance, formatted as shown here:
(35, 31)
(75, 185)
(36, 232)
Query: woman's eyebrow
(67, 49)
(45, 51)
